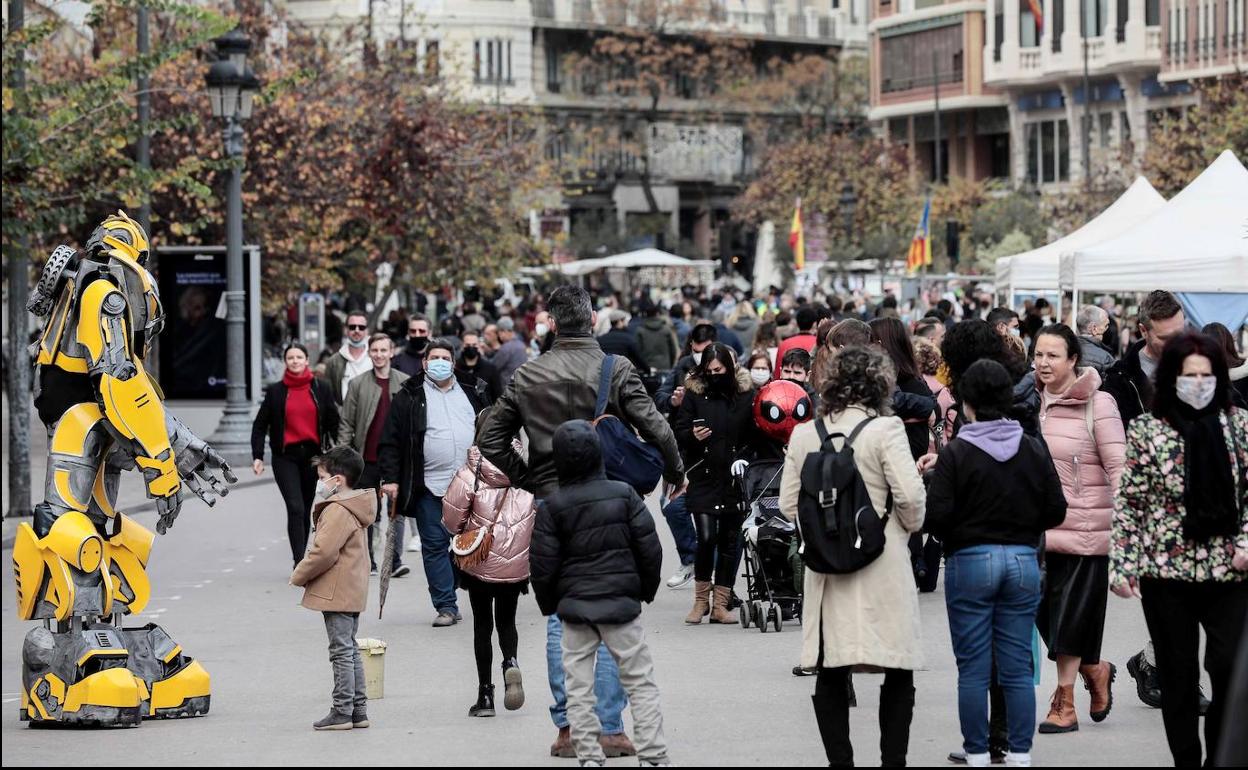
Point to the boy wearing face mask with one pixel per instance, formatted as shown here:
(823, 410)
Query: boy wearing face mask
(334, 576)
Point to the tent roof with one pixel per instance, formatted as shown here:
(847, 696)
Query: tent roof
(1196, 242)
(1039, 268)
(641, 258)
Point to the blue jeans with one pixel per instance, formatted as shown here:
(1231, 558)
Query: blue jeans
(991, 593)
(435, 551)
(607, 687)
(681, 523)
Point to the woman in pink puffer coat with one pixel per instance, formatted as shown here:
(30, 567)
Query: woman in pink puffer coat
(1084, 433)
(481, 495)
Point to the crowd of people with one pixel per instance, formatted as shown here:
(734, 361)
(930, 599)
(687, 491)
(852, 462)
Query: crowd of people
(1045, 464)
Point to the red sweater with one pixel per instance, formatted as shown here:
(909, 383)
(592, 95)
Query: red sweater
(301, 422)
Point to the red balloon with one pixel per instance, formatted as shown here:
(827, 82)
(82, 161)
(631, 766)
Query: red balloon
(780, 406)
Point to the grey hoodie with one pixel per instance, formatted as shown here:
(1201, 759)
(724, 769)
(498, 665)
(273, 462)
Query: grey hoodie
(999, 438)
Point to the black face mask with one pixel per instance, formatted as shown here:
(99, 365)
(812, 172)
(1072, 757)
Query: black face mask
(721, 383)
(417, 345)
(471, 354)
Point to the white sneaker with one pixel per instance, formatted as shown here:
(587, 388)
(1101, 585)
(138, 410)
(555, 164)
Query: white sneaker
(415, 544)
(1017, 760)
(978, 760)
(681, 577)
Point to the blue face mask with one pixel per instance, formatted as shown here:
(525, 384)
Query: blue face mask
(439, 369)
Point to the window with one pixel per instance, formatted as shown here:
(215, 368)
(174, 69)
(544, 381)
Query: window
(554, 67)
(492, 60)
(1048, 152)
(998, 28)
(1095, 13)
(1152, 13)
(1028, 30)
(1000, 144)
(1124, 13)
(1124, 127)
(906, 60)
(1058, 24)
(1106, 120)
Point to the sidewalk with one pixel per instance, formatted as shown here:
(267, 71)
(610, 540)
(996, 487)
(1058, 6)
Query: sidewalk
(200, 416)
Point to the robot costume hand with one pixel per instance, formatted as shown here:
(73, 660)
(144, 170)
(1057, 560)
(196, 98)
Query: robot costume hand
(197, 466)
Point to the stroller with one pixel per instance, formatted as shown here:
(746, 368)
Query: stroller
(773, 567)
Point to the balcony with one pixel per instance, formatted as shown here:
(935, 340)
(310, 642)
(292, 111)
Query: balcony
(756, 18)
(1051, 60)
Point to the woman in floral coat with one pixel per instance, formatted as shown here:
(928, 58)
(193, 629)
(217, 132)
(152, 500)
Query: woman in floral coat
(1180, 534)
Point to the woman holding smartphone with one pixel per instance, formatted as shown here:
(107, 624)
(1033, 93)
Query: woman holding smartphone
(712, 425)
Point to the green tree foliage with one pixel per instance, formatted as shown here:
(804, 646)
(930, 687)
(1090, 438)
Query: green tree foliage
(1185, 142)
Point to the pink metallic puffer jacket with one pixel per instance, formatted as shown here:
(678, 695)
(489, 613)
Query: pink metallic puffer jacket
(510, 510)
(1090, 465)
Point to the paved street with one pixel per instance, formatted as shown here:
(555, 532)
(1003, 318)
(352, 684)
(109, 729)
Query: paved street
(729, 699)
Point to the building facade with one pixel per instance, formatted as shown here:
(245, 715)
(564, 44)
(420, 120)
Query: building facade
(925, 56)
(533, 53)
(1203, 38)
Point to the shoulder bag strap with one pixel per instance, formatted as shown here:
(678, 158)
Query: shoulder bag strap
(604, 386)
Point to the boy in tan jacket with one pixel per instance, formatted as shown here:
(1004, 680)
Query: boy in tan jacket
(334, 576)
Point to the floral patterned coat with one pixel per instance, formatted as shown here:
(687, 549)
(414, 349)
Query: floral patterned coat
(1147, 536)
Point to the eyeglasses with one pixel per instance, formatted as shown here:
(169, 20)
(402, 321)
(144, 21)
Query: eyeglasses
(357, 327)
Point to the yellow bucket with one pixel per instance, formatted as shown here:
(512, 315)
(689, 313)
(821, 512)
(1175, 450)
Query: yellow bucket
(373, 654)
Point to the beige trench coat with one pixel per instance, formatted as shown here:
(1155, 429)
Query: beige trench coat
(869, 617)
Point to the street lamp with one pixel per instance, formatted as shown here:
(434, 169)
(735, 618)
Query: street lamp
(848, 202)
(231, 90)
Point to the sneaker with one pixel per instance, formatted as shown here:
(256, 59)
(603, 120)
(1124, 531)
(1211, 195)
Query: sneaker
(591, 763)
(661, 762)
(333, 721)
(372, 572)
(513, 684)
(415, 544)
(359, 719)
(681, 577)
(799, 671)
(400, 571)
(959, 757)
(446, 618)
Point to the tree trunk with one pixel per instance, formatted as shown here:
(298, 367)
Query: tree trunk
(17, 372)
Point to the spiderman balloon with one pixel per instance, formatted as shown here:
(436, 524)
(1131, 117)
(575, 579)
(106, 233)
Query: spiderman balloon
(779, 407)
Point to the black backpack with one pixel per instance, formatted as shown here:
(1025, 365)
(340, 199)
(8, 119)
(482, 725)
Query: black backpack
(841, 531)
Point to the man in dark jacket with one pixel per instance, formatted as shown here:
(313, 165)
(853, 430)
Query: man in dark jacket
(594, 558)
(1130, 381)
(656, 339)
(411, 358)
(420, 450)
(559, 385)
(1091, 323)
(619, 341)
(472, 361)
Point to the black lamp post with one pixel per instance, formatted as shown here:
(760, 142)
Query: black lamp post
(848, 202)
(231, 89)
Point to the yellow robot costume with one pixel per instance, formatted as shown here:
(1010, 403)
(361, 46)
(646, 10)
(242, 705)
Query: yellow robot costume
(82, 566)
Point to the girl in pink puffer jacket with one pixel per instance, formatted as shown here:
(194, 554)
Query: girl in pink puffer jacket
(1086, 440)
(481, 495)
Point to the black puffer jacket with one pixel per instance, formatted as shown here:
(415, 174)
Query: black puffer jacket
(708, 463)
(595, 556)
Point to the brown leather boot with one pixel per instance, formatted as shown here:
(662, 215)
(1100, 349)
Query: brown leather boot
(617, 745)
(719, 606)
(1062, 717)
(701, 602)
(562, 747)
(1099, 680)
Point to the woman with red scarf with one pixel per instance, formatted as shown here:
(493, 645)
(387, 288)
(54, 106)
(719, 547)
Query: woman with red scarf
(301, 418)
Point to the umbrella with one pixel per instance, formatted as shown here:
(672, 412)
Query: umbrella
(387, 562)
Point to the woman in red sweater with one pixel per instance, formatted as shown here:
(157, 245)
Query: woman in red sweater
(300, 417)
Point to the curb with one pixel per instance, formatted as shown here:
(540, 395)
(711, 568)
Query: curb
(148, 506)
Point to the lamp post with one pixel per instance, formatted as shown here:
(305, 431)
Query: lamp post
(848, 202)
(231, 89)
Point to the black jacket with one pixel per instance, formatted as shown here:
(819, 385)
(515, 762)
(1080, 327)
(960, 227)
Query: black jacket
(562, 385)
(621, 343)
(1025, 409)
(271, 419)
(401, 453)
(484, 371)
(1128, 384)
(708, 463)
(923, 406)
(594, 556)
(974, 500)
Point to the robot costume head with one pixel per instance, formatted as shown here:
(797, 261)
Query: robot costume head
(119, 236)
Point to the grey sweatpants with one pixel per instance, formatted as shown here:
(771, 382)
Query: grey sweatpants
(344, 656)
(627, 644)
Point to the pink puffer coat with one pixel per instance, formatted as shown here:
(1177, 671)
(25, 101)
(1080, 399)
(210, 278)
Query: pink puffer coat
(494, 502)
(1089, 464)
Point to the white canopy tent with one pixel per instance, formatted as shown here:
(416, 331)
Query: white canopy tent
(1198, 242)
(1039, 269)
(633, 259)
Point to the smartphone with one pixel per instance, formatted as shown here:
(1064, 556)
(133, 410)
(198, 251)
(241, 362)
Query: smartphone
(699, 422)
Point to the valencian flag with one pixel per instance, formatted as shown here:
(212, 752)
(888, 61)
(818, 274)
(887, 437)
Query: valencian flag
(921, 246)
(797, 239)
(1037, 13)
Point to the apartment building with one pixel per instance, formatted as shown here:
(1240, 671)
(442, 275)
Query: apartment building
(925, 55)
(1202, 38)
(518, 52)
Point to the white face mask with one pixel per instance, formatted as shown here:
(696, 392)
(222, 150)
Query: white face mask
(1196, 392)
(542, 330)
(1017, 332)
(323, 490)
(697, 358)
(357, 344)
(760, 376)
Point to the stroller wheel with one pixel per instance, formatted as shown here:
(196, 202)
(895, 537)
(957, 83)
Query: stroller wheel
(744, 614)
(774, 617)
(761, 618)
(756, 612)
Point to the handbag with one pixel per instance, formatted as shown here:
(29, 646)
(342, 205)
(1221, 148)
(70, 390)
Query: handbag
(471, 547)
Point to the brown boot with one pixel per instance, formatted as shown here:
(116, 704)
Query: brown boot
(719, 607)
(562, 747)
(1099, 680)
(617, 745)
(1061, 718)
(701, 602)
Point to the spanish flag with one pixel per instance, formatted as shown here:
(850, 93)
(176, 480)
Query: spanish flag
(797, 239)
(921, 246)
(1037, 13)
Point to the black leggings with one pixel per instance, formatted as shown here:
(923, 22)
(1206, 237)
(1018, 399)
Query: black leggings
(717, 547)
(493, 602)
(296, 479)
(896, 711)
